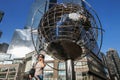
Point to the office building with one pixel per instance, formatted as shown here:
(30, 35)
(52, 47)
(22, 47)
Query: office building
(3, 47)
(10, 72)
(89, 67)
(11, 69)
(21, 43)
(113, 63)
(36, 12)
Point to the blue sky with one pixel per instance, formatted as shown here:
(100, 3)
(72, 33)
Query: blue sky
(109, 13)
(16, 14)
(17, 11)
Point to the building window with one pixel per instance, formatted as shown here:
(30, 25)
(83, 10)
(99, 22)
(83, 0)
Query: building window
(48, 71)
(62, 72)
(81, 65)
(49, 66)
(11, 75)
(81, 76)
(48, 75)
(61, 65)
(62, 75)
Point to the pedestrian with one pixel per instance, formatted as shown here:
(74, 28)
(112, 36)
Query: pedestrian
(39, 66)
(31, 74)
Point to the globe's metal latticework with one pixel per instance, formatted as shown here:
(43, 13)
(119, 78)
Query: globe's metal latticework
(56, 23)
(66, 28)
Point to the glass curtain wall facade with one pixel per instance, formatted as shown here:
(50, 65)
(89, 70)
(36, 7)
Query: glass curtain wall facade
(36, 12)
(21, 43)
(62, 71)
(48, 71)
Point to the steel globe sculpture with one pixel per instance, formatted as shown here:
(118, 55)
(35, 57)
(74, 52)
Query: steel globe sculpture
(65, 29)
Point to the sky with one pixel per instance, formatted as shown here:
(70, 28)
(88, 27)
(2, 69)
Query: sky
(17, 11)
(16, 15)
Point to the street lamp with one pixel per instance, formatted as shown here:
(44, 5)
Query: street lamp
(1, 15)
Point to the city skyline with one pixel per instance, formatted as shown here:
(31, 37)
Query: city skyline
(16, 15)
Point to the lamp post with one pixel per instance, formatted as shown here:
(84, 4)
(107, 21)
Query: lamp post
(1, 15)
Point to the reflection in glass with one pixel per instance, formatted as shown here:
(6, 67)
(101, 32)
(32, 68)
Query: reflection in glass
(47, 67)
(21, 43)
(62, 71)
(48, 75)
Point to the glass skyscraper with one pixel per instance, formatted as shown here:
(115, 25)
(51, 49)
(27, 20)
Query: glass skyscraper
(21, 43)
